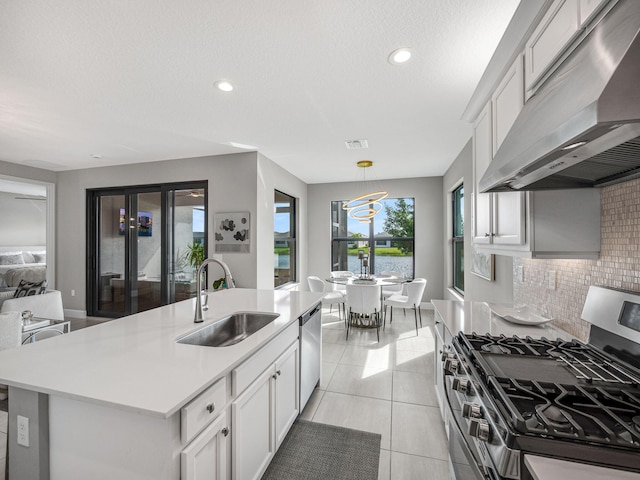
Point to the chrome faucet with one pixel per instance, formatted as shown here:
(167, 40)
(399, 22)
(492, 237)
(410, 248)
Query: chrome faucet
(227, 278)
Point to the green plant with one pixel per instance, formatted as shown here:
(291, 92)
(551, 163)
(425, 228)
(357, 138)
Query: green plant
(219, 284)
(195, 254)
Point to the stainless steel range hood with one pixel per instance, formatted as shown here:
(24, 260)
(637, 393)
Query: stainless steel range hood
(593, 97)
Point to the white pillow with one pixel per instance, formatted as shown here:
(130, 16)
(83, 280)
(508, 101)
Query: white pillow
(11, 258)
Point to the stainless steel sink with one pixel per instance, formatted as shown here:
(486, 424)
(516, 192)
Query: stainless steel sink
(229, 330)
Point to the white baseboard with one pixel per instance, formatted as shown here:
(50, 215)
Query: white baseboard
(75, 313)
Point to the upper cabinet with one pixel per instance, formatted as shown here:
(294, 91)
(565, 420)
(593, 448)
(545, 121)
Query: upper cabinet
(562, 23)
(554, 224)
(498, 218)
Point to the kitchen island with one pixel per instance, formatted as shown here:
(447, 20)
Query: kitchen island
(114, 400)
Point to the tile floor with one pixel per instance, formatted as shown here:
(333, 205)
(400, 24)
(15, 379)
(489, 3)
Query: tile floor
(387, 388)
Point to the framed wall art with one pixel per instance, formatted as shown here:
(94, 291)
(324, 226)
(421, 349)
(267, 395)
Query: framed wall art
(231, 232)
(482, 264)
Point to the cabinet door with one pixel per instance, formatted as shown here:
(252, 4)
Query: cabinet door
(549, 39)
(507, 102)
(287, 392)
(482, 156)
(253, 435)
(589, 8)
(509, 218)
(206, 457)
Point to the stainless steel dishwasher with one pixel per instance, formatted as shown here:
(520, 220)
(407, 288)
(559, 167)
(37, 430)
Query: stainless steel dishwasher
(310, 352)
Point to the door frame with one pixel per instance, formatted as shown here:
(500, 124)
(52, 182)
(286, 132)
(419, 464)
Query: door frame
(130, 261)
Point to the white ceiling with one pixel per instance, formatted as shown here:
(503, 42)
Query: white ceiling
(132, 81)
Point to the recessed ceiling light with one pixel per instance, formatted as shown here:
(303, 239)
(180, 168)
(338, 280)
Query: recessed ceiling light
(401, 55)
(224, 85)
(97, 156)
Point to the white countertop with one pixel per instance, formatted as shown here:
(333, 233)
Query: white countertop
(469, 317)
(542, 468)
(134, 362)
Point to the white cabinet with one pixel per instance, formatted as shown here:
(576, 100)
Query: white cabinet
(206, 456)
(204, 429)
(253, 435)
(263, 414)
(560, 224)
(498, 218)
(482, 156)
(287, 397)
(507, 102)
(556, 29)
(588, 8)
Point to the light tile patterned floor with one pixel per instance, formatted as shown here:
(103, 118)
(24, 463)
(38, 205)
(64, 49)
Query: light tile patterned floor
(384, 387)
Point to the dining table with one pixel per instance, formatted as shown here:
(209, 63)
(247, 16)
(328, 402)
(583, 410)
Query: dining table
(382, 280)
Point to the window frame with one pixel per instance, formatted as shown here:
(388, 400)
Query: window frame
(291, 239)
(456, 239)
(371, 239)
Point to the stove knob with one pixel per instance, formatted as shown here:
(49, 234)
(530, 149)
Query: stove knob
(471, 410)
(463, 385)
(447, 355)
(451, 366)
(479, 428)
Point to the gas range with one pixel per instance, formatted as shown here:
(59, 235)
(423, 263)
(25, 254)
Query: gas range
(512, 396)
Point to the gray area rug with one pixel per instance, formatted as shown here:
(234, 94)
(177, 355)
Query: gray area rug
(314, 451)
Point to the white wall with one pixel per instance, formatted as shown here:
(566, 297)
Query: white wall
(427, 192)
(23, 222)
(475, 288)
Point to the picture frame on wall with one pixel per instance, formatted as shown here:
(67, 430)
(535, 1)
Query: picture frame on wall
(482, 264)
(231, 232)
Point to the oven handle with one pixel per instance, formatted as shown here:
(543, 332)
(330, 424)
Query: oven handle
(473, 461)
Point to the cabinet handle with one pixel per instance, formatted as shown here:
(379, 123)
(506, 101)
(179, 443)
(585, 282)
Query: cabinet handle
(278, 372)
(275, 377)
(225, 431)
(211, 407)
(487, 234)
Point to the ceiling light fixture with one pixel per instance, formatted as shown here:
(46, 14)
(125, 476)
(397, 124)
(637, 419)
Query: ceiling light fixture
(364, 207)
(400, 56)
(224, 85)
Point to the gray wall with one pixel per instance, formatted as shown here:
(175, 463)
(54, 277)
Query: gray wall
(427, 192)
(235, 185)
(475, 288)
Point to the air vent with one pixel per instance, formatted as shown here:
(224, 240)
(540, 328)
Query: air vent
(356, 144)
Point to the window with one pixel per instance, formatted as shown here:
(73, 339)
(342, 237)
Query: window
(390, 233)
(284, 239)
(457, 197)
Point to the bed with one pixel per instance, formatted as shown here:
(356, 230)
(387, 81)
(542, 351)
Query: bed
(26, 262)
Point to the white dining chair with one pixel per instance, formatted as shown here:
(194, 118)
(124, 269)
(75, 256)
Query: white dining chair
(316, 284)
(412, 299)
(336, 287)
(389, 290)
(363, 307)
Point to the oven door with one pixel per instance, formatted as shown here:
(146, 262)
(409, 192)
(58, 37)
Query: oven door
(463, 459)
(462, 463)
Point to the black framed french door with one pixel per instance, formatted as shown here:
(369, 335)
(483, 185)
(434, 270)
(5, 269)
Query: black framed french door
(138, 241)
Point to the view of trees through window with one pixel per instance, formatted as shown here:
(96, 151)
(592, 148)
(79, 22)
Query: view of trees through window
(388, 239)
(457, 243)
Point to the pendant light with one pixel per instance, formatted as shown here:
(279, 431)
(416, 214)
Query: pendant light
(364, 207)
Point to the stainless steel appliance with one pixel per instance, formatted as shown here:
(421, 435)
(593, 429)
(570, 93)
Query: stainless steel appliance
(591, 102)
(511, 396)
(310, 351)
